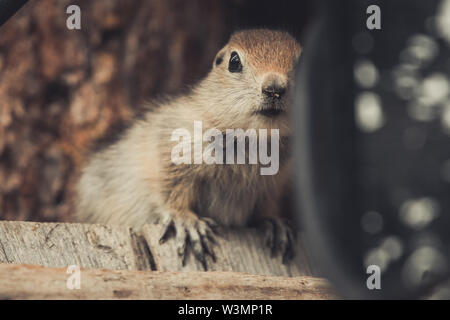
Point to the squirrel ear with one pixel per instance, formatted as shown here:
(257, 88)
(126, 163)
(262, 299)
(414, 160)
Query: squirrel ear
(219, 57)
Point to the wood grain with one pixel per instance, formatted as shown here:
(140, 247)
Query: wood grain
(64, 244)
(141, 268)
(98, 246)
(34, 282)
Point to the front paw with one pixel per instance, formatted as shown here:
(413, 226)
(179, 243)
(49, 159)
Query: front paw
(199, 233)
(279, 237)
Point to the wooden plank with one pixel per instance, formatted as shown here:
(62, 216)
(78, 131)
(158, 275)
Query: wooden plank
(64, 244)
(35, 282)
(97, 246)
(240, 250)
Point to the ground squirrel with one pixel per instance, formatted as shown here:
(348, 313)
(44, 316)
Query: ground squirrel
(135, 180)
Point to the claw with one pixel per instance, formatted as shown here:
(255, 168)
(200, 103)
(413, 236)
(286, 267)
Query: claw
(207, 236)
(180, 244)
(211, 236)
(289, 254)
(269, 232)
(208, 248)
(196, 244)
(167, 223)
(279, 238)
(213, 226)
(199, 233)
(211, 223)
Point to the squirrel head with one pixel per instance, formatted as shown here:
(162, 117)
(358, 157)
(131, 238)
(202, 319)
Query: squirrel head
(253, 75)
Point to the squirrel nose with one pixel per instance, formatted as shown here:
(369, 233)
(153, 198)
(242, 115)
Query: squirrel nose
(274, 91)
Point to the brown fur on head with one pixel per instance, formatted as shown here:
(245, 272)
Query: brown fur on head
(258, 94)
(267, 50)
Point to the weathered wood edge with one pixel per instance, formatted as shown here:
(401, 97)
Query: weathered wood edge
(37, 282)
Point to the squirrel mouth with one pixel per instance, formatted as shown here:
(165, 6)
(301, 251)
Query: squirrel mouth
(271, 109)
(270, 112)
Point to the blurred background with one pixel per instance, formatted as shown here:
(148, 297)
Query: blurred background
(372, 129)
(61, 90)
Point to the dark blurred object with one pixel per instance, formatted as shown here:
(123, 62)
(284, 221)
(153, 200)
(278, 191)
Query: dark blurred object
(287, 15)
(8, 8)
(62, 89)
(372, 146)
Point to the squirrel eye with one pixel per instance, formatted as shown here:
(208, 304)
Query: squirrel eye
(235, 63)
